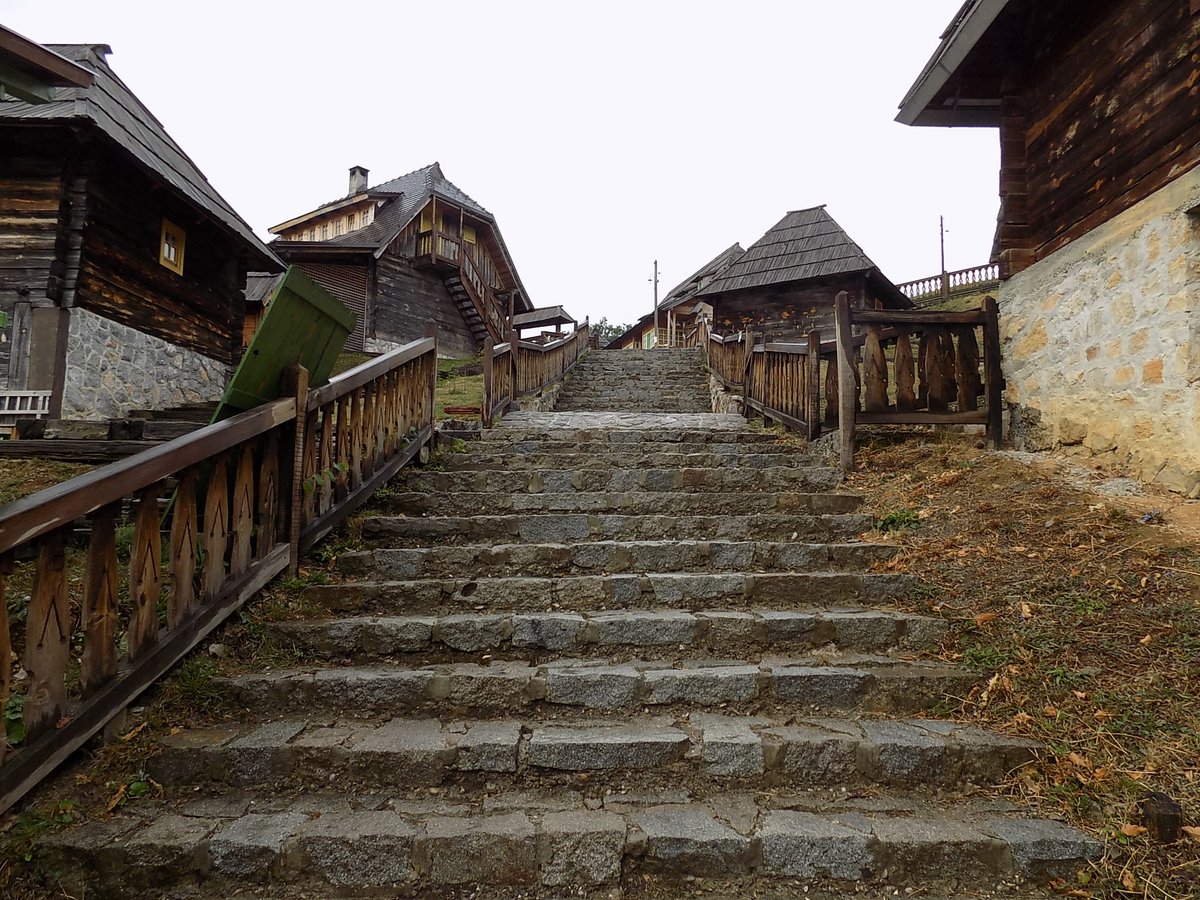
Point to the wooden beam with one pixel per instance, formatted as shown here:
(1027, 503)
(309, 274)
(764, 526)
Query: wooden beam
(847, 384)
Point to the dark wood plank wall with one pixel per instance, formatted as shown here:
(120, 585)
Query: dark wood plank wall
(405, 298)
(349, 283)
(120, 276)
(783, 312)
(1109, 112)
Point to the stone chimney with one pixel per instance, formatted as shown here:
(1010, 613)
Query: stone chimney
(358, 180)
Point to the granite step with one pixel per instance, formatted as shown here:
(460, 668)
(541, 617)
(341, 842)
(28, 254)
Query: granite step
(363, 638)
(609, 557)
(758, 752)
(577, 593)
(668, 503)
(557, 840)
(534, 528)
(615, 459)
(814, 683)
(567, 481)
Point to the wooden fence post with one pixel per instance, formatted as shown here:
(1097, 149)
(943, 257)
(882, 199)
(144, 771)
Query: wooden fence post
(515, 363)
(847, 385)
(747, 367)
(430, 331)
(812, 363)
(485, 413)
(295, 383)
(992, 371)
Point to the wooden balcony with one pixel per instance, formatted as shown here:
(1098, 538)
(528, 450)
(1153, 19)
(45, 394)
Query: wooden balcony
(438, 250)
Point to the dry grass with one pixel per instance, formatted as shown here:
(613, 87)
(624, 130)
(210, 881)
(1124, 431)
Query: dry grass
(22, 477)
(1084, 626)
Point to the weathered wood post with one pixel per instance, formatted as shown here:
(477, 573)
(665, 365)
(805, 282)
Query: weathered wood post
(747, 371)
(847, 384)
(485, 412)
(515, 364)
(812, 363)
(295, 383)
(430, 331)
(991, 368)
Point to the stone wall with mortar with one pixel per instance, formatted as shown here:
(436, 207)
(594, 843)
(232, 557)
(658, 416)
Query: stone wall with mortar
(112, 368)
(722, 400)
(1102, 343)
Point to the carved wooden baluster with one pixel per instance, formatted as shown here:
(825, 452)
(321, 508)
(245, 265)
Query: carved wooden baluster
(935, 372)
(966, 365)
(268, 496)
(183, 551)
(5, 640)
(356, 439)
(369, 412)
(948, 353)
(380, 421)
(47, 639)
(145, 575)
(324, 485)
(308, 474)
(906, 399)
(875, 371)
(98, 665)
(344, 437)
(858, 380)
(243, 512)
(831, 389)
(922, 372)
(216, 529)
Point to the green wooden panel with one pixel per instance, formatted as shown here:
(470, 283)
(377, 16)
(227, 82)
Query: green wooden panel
(304, 324)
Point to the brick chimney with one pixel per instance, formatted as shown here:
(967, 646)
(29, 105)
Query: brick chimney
(358, 180)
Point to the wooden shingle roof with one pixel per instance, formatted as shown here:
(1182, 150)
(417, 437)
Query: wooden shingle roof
(806, 244)
(116, 112)
(695, 282)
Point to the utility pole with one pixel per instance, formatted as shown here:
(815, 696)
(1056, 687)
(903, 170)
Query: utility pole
(655, 280)
(945, 280)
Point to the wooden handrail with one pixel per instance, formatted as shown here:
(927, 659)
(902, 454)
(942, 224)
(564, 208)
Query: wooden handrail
(243, 497)
(519, 368)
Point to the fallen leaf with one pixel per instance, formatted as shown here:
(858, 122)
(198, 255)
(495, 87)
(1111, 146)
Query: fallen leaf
(1101, 773)
(1026, 611)
(1132, 830)
(1129, 882)
(116, 799)
(1192, 831)
(1078, 759)
(1017, 549)
(984, 618)
(1050, 712)
(129, 736)
(1100, 715)
(1022, 718)
(1147, 639)
(1080, 695)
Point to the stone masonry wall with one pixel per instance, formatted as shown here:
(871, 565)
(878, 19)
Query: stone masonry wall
(112, 368)
(1102, 342)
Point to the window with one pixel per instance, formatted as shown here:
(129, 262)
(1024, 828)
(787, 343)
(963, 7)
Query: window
(171, 246)
(324, 232)
(337, 227)
(364, 218)
(469, 234)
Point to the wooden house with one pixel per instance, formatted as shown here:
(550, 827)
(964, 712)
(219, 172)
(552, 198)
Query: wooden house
(680, 310)
(412, 250)
(1097, 235)
(121, 268)
(785, 284)
(539, 320)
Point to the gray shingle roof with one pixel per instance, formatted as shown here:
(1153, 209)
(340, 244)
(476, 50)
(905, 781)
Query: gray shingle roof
(546, 315)
(805, 244)
(692, 285)
(112, 108)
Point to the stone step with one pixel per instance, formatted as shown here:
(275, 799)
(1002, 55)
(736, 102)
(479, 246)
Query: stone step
(400, 530)
(610, 557)
(737, 590)
(406, 753)
(597, 405)
(660, 426)
(638, 631)
(564, 481)
(559, 840)
(817, 683)
(665, 503)
(615, 459)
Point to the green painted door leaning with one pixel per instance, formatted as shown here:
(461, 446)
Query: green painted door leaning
(304, 324)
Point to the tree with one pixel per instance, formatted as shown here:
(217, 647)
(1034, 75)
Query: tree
(607, 332)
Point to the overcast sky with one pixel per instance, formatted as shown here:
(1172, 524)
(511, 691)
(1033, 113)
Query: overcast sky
(601, 136)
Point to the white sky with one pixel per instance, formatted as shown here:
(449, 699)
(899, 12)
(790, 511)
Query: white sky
(600, 136)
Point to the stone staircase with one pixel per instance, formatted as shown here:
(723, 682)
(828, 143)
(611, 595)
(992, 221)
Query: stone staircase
(600, 654)
(637, 381)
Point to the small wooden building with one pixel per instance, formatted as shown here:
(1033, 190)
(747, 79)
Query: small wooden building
(680, 310)
(121, 268)
(785, 284)
(1098, 235)
(541, 319)
(412, 250)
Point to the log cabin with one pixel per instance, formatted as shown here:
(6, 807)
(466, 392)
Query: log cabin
(121, 268)
(785, 284)
(680, 310)
(412, 250)
(1097, 238)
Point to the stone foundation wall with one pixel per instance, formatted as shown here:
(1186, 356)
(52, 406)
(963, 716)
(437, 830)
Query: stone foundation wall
(1102, 342)
(112, 368)
(722, 400)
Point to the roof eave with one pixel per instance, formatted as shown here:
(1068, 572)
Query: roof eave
(320, 210)
(949, 55)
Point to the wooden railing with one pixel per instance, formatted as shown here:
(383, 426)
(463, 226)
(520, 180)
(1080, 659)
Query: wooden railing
(520, 368)
(948, 284)
(482, 296)
(883, 367)
(170, 542)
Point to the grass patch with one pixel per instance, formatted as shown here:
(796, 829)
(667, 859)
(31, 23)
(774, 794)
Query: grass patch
(1084, 626)
(459, 384)
(22, 477)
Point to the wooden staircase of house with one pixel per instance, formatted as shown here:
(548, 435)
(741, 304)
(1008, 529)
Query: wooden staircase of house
(468, 308)
(603, 653)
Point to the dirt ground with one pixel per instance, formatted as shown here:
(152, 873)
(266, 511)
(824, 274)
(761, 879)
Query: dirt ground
(1077, 597)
